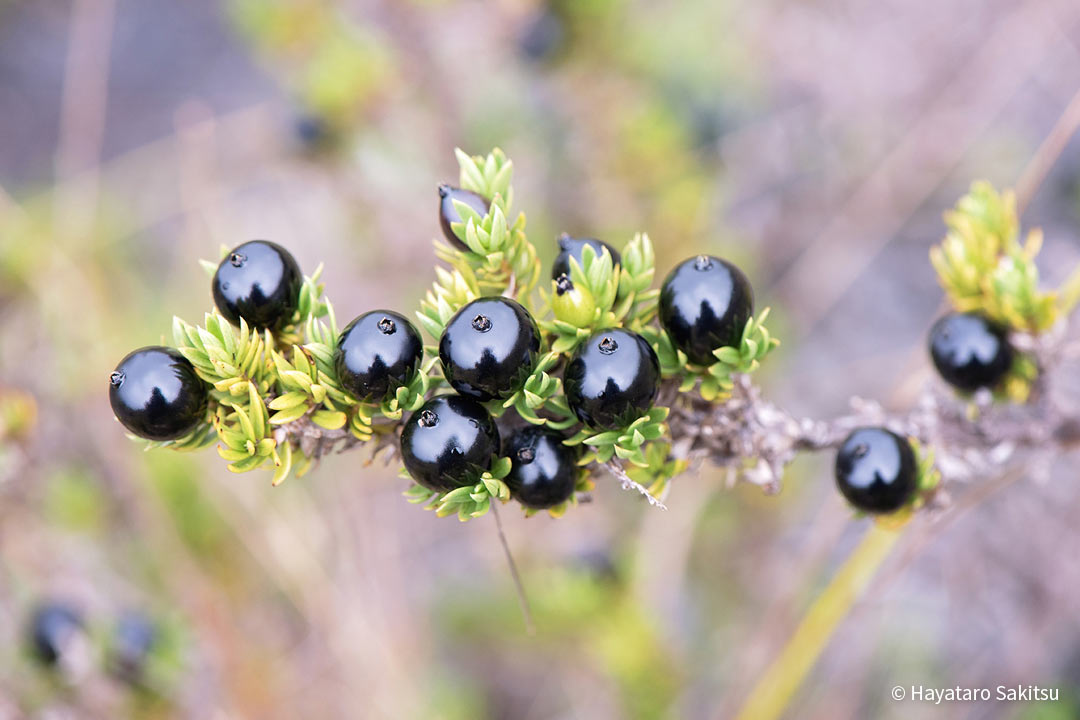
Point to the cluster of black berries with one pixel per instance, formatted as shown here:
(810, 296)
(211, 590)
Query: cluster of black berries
(490, 348)
(491, 345)
(155, 391)
(487, 351)
(876, 469)
(55, 628)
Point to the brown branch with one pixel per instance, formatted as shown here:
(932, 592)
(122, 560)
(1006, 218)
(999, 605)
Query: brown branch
(971, 438)
(755, 439)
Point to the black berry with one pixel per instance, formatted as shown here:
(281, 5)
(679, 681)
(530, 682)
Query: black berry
(571, 247)
(597, 564)
(543, 36)
(970, 351)
(489, 348)
(544, 471)
(448, 213)
(130, 646)
(53, 628)
(376, 354)
(612, 379)
(876, 470)
(704, 305)
(260, 282)
(314, 132)
(448, 442)
(155, 393)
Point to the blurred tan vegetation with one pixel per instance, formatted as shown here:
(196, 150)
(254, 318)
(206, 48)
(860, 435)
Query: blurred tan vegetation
(814, 143)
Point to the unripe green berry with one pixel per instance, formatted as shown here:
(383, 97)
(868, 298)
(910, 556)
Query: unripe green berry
(573, 304)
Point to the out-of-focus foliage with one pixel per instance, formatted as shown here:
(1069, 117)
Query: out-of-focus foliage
(18, 414)
(983, 265)
(336, 67)
(586, 611)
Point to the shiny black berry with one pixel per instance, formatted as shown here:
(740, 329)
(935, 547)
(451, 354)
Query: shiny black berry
(612, 379)
(876, 470)
(376, 354)
(448, 442)
(489, 348)
(571, 247)
(448, 213)
(704, 305)
(260, 282)
(155, 393)
(544, 471)
(54, 627)
(130, 646)
(970, 351)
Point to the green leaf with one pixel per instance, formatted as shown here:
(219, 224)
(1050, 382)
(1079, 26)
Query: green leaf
(257, 412)
(491, 485)
(500, 467)
(471, 177)
(289, 414)
(231, 455)
(331, 420)
(467, 213)
(247, 464)
(604, 438)
(728, 355)
(418, 494)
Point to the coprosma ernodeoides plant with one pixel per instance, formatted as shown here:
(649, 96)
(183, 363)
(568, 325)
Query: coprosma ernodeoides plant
(532, 388)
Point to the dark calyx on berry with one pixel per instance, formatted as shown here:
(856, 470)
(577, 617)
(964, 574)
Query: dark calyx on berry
(376, 354)
(612, 379)
(544, 471)
(876, 470)
(260, 282)
(563, 284)
(571, 247)
(54, 627)
(704, 305)
(489, 348)
(155, 393)
(970, 351)
(449, 442)
(132, 642)
(448, 214)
